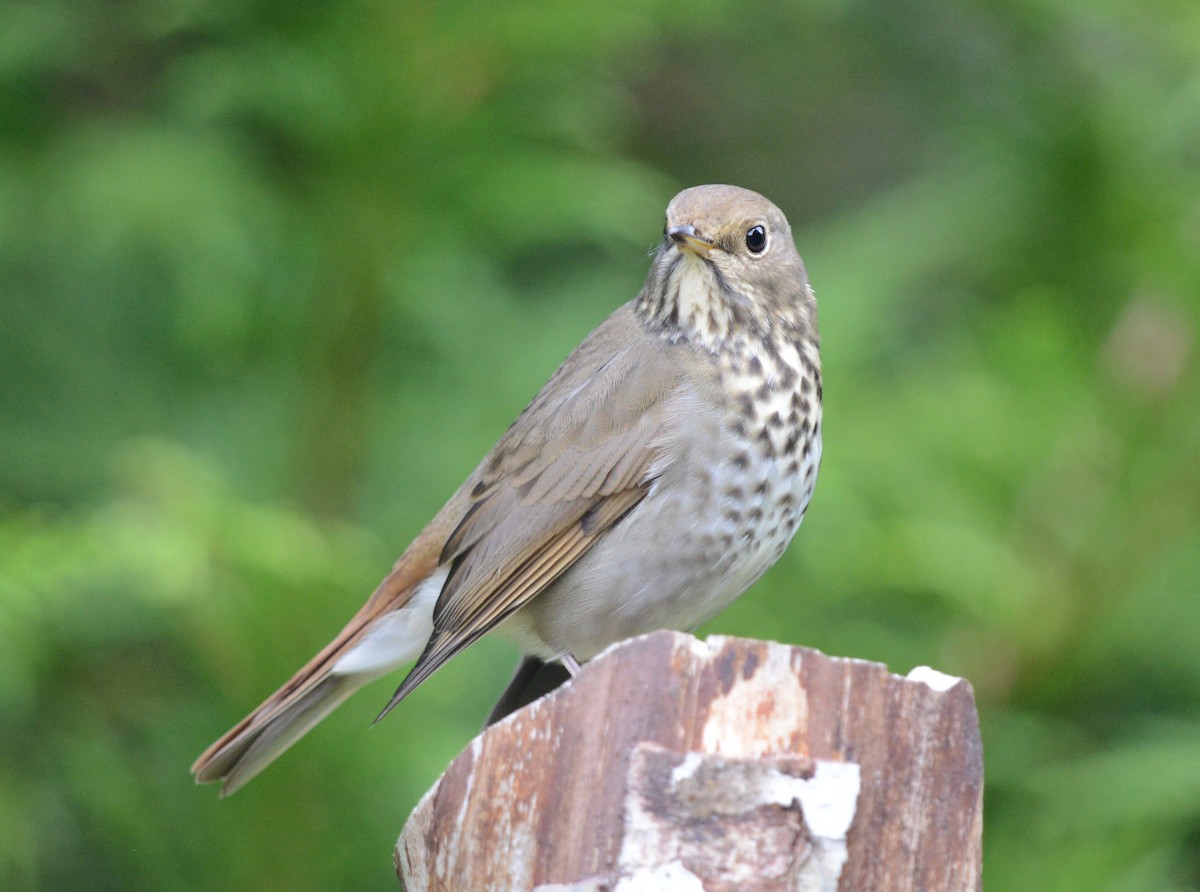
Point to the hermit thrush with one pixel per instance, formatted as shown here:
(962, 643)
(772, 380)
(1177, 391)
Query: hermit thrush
(662, 469)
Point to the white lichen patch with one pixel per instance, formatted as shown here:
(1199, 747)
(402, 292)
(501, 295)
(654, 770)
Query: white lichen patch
(828, 798)
(669, 877)
(938, 681)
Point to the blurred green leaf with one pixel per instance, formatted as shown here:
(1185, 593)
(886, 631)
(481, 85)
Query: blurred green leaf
(276, 275)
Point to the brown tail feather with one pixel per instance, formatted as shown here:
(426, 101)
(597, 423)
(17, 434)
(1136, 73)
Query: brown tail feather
(247, 754)
(313, 692)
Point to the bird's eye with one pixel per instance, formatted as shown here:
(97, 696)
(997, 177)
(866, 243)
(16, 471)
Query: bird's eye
(756, 239)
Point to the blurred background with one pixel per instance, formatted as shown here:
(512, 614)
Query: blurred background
(273, 276)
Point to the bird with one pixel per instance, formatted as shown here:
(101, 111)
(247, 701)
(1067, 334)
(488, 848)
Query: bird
(662, 469)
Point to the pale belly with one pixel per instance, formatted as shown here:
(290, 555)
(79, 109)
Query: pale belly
(683, 555)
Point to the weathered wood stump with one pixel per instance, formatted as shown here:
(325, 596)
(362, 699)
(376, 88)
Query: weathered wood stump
(675, 764)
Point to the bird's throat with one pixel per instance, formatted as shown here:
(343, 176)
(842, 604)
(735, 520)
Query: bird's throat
(699, 303)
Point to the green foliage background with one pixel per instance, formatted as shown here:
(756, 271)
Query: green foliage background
(274, 275)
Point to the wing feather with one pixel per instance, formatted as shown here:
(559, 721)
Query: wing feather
(476, 613)
(580, 457)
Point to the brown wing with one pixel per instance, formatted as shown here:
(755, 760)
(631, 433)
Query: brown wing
(580, 458)
(577, 459)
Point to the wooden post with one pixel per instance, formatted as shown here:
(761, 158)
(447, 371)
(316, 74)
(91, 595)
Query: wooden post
(675, 764)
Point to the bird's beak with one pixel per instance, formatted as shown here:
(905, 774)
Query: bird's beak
(685, 237)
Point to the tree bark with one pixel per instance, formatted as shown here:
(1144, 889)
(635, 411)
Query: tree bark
(675, 764)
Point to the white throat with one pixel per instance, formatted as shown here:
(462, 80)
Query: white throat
(701, 308)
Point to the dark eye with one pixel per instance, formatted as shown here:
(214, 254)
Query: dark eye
(756, 239)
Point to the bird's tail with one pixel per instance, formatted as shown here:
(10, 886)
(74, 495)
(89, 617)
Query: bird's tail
(264, 735)
(388, 632)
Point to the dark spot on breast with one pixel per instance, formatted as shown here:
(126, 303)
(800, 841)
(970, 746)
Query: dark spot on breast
(746, 405)
(480, 489)
(731, 515)
(775, 421)
(764, 391)
(735, 493)
(756, 366)
(755, 514)
(805, 388)
(788, 379)
(740, 461)
(789, 445)
(761, 489)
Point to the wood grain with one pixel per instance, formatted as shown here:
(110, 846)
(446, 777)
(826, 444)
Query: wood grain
(671, 763)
